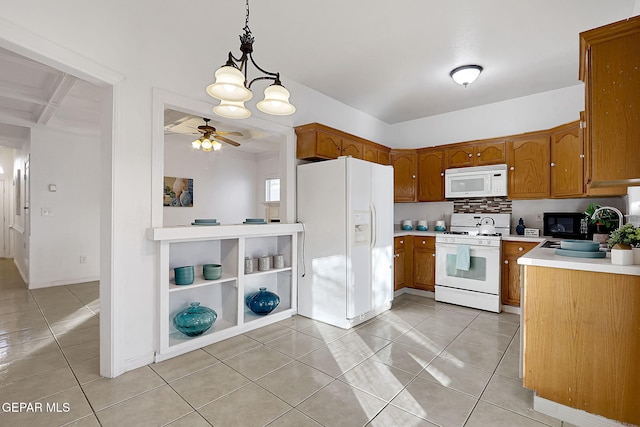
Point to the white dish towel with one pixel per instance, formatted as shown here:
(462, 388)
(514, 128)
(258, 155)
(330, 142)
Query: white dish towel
(463, 257)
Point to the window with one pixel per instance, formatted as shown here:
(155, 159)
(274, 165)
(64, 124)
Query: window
(272, 190)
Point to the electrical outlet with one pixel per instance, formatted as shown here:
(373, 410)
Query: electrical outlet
(83, 259)
(539, 216)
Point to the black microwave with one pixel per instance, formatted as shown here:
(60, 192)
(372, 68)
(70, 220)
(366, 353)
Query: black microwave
(565, 225)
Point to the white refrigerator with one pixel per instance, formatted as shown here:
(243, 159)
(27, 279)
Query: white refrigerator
(346, 252)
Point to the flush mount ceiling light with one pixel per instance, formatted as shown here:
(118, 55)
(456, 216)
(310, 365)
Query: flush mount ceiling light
(466, 74)
(232, 89)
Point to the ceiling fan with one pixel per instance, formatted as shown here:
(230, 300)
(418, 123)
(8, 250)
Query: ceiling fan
(210, 137)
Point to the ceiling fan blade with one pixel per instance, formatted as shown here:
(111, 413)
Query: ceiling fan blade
(228, 133)
(227, 140)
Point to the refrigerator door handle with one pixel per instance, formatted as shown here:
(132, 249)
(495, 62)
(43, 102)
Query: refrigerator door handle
(374, 226)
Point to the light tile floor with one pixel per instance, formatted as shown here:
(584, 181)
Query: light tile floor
(423, 363)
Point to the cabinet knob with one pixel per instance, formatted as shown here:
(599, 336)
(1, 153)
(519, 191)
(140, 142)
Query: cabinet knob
(441, 173)
(520, 249)
(582, 156)
(413, 176)
(552, 164)
(512, 168)
(478, 154)
(402, 242)
(424, 242)
(470, 155)
(506, 261)
(433, 254)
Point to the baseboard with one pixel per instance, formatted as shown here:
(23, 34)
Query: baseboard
(572, 415)
(25, 279)
(511, 309)
(414, 291)
(64, 282)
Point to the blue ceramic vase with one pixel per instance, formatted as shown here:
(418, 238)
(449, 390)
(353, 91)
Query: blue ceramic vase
(195, 320)
(520, 227)
(262, 302)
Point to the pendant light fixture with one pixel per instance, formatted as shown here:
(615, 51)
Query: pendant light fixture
(466, 74)
(232, 89)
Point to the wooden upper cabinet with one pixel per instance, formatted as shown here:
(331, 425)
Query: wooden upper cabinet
(405, 170)
(352, 148)
(319, 142)
(431, 167)
(460, 156)
(384, 155)
(489, 153)
(528, 167)
(610, 68)
(370, 153)
(477, 153)
(329, 146)
(567, 159)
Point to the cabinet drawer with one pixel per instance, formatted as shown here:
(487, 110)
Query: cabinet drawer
(424, 242)
(400, 242)
(516, 249)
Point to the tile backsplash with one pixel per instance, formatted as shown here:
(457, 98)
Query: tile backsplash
(482, 205)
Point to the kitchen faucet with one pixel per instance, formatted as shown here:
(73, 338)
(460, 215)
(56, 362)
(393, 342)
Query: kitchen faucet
(611, 208)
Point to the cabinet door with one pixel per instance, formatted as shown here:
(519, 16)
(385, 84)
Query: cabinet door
(491, 153)
(461, 156)
(510, 280)
(352, 148)
(430, 175)
(404, 175)
(567, 159)
(424, 263)
(398, 269)
(370, 153)
(528, 161)
(329, 145)
(384, 156)
(613, 113)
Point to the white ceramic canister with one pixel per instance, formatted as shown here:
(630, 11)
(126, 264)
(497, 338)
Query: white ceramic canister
(264, 263)
(248, 265)
(278, 261)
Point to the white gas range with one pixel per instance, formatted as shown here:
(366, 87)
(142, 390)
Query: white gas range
(468, 261)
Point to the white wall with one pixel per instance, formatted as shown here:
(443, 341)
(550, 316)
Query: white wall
(150, 53)
(19, 238)
(526, 114)
(268, 168)
(6, 192)
(72, 163)
(223, 182)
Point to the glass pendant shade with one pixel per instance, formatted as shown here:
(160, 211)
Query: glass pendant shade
(196, 144)
(466, 74)
(276, 101)
(206, 145)
(232, 110)
(229, 85)
(216, 145)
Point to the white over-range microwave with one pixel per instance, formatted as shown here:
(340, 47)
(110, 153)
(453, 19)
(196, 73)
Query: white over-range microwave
(479, 181)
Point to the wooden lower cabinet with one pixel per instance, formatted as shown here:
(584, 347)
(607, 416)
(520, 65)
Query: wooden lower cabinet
(402, 262)
(510, 277)
(581, 340)
(424, 263)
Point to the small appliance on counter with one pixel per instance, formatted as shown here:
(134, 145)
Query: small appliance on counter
(565, 225)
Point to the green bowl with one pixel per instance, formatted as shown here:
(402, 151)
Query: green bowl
(212, 271)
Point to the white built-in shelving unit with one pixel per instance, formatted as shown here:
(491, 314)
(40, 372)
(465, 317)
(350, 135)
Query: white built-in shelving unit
(227, 245)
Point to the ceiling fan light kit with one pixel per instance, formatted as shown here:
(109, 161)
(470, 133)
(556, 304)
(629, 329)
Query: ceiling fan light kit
(466, 74)
(232, 89)
(207, 142)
